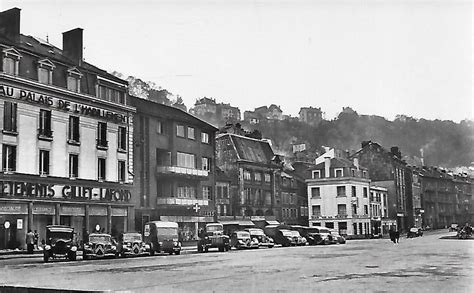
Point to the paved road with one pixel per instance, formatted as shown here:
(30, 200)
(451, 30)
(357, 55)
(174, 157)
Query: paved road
(426, 264)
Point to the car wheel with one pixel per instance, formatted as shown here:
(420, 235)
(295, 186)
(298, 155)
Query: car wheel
(85, 257)
(45, 257)
(177, 252)
(270, 246)
(206, 249)
(72, 256)
(221, 248)
(199, 248)
(170, 253)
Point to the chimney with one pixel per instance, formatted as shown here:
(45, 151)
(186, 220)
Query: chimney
(10, 24)
(72, 45)
(396, 152)
(327, 166)
(356, 163)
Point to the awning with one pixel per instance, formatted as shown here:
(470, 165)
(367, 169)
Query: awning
(237, 222)
(271, 222)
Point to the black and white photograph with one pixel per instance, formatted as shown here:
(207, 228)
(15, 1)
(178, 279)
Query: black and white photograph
(236, 146)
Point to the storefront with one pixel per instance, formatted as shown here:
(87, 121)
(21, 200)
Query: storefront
(30, 205)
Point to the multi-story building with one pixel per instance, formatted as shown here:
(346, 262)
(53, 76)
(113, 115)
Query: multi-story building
(310, 115)
(216, 113)
(254, 171)
(338, 196)
(380, 223)
(387, 169)
(273, 112)
(174, 167)
(289, 201)
(66, 129)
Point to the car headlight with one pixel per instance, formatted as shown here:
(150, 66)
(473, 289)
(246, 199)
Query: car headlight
(206, 237)
(175, 243)
(114, 247)
(147, 246)
(47, 247)
(74, 248)
(160, 243)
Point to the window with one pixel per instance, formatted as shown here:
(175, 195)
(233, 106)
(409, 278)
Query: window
(353, 172)
(292, 198)
(207, 192)
(191, 133)
(9, 158)
(180, 130)
(102, 135)
(247, 175)
(341, 209)
(267, 177)
(43, 162)
(258, 176)
(315, 192)
(110, 94)
(122, 138)
(73, 166)
(341, 191)
(316, 174)
(354, 192)
(121, 171)
(338, 172)
(186, 160)
(186, 191)
(365, 192)
(204, 137)
(163, 157)
(45, 124)
(73, 134)
(206, 164)
(45, 71)
(9, 116)
(74, 80)
(101, 169)
(11, 61)
(364, 174)
(354, 209)
(366, 209)
(160, 127)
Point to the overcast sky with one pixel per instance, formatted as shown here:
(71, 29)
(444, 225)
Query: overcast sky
(379, 57)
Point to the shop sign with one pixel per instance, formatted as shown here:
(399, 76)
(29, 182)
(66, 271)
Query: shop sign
(19, 224)
(43, 210)
(72, 211)
(13, 209)
(97, 211)
(60, 104)
(69, 192)
(116, 212)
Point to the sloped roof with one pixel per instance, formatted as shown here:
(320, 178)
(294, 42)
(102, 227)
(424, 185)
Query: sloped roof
(338, 162)
(252, 150)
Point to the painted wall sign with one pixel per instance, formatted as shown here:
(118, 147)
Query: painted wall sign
(73, 211)
(60, 104)
(44, 210)
(116, 212)
(97, 211)
(6, 208)
(69, 192)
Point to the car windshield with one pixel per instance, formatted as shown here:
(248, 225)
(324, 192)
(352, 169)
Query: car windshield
(286, 233)
(243, 234)
(168, 232)
(132, 237)
(214, 228)
(322, 230)
(256, 232)
(60, 235)
(99, 238)
(295, 233)
(312, 230)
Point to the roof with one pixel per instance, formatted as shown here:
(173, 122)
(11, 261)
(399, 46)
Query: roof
(60, 228)
(238, 222)
(338, 162)
(371, 144)
(164, 224)
(252, 150)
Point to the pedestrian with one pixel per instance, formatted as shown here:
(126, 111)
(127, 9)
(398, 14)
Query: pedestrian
(36, 239)
(30, 241)
(392, 235)
(397, 236)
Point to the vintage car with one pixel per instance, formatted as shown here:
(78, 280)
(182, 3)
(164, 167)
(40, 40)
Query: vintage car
(59, 243)
(100, 245)
(454, 227)
(299, 240)
(263, 240)
(162, 236)
(131, 243)
(336, 238)
(242, 239)
(318, 235)
(414, 232)
(212, 236)
(276, 233)
(291, 239)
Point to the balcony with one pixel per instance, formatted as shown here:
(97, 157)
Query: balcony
(182, 171)
(181, 201)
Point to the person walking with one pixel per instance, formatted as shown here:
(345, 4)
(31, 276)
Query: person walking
(397, 236)
(392, 235)
(30, 241)
(36, 239)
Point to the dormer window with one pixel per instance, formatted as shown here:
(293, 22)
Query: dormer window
(316, 174)
(11, 61)
(338, 172)
(74, 80)
(45, 71)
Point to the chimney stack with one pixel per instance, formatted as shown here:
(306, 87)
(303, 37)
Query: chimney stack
(356, 163)
(72, 45)
(396, 152)
(10, 24)
(327, 166)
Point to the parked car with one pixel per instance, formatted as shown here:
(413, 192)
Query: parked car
(132, 244)
(318, 235)
(242, 239)
(454, 227)
(212, 236)
(162, 236)
(280, 234)
(336, 237)
(263, 240)
(414, 232)
(59, 243)
(300, 240)
(100, 245)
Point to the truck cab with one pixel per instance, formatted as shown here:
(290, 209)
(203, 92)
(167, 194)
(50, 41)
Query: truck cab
(212, 236)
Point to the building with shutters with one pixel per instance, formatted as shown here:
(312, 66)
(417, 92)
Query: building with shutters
(65, 132)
